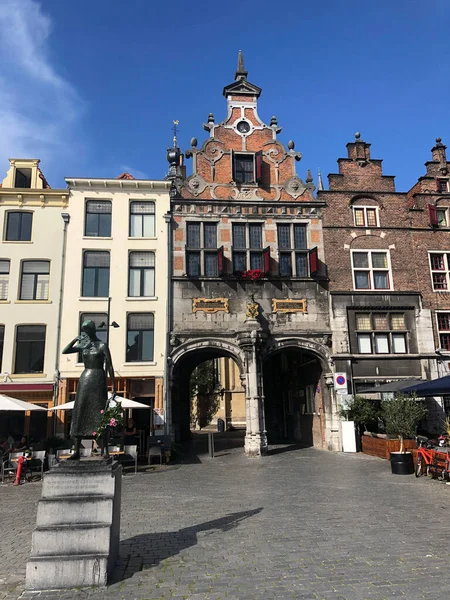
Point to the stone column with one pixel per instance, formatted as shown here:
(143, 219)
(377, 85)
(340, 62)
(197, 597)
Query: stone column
(251, 341)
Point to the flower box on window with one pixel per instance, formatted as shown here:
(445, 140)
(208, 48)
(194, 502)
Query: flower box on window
(250, 275)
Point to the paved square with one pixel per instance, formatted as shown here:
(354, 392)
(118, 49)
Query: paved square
(297, 524)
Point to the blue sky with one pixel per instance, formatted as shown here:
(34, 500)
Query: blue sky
(92, 87)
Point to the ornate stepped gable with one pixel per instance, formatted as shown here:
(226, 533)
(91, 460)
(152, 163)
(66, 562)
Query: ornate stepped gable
(243, 141)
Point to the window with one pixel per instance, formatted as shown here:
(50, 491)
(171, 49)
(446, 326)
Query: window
(443, 319)
(98, 218)
(442, 219)
(371, 270)
(381, 333)
(202, 254)
(293, 255)
(4, 279)
(365, 216)
(247, 168)
(100, 320)
(141, 274)
(30, 349)
(35, 279)
(248, 252)
(2, 338)
(442, 186)
(439, 265)
(142, 219)
(140, 337)
(23, 178)
(96, 274)
(18, 226)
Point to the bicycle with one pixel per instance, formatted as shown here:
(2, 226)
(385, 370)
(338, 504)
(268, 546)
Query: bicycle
(431, 461)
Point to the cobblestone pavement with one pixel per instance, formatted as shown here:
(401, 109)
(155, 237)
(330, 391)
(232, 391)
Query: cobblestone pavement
(297, 524)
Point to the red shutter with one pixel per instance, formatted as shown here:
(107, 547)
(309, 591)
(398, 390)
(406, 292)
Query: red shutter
(220, 264)
(259, 164)
(233, 170)
(266, 260)
(313, 262)
(438, 184)
(432, 215)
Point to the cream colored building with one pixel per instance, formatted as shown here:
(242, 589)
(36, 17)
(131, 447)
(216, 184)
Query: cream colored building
(33, 221)
(116, 274)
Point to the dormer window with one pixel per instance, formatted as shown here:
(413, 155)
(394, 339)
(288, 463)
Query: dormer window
(23, 178)
(247, 168)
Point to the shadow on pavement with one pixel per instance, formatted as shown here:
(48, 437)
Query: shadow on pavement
(148, 549)
(286, 448)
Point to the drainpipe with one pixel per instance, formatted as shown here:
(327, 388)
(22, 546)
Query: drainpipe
(167, 398)
(66, 219)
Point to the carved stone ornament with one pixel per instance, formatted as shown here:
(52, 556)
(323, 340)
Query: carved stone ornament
(252, 311)
(246, 194)
(196, 184)
(174, 341)
(213, 150)
(294, 187)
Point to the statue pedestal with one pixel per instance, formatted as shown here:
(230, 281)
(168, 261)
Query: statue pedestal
(76, 540)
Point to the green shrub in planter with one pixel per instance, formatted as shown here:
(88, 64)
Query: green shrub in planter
(401, 415)
(361, 410)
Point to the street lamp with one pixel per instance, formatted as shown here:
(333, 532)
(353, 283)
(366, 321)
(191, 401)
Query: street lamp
(108, 324)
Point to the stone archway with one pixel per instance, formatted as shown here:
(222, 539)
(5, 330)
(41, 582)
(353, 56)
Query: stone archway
(183, 360)
(299, 402)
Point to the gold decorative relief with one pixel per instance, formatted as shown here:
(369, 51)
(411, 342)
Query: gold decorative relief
(209, 305)
(290, 305)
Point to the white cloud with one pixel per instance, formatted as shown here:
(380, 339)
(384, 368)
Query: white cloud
(38, 107)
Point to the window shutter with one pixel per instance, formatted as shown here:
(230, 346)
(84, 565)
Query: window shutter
(259, 163)
(313, 262)
(438, 184)
(432, 214)
(233, 168)
(220, 262)
(266, 260)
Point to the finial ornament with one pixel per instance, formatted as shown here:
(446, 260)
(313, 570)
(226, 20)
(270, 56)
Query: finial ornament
(357, 135)
(175, 130)
(291, 144)
(241, 73)
(438, 140)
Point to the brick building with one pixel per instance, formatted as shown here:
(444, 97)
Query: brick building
(249, 282)
(387, 264)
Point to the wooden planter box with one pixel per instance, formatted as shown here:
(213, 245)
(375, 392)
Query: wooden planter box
(382, 447)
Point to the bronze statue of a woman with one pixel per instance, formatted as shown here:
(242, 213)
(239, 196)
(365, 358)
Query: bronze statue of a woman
(92, 390)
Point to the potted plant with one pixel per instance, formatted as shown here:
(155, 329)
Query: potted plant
(401, 415)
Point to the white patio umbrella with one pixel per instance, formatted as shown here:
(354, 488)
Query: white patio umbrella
(14, 404)
(123, 401)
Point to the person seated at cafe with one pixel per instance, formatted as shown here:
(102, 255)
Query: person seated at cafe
(130, 433)
(10, 441)
(4, 447)
(22, 445)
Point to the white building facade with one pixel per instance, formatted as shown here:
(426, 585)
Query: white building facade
(33, 221)
(116, 274)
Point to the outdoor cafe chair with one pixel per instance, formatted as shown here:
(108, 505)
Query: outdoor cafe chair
(155, 450)
(10, 464)
(37, 463)
(131, 455)
(63, 453)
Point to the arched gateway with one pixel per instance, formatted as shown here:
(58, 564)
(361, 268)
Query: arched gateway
(248, 278)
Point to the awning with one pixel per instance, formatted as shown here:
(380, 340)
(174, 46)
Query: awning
(435, 387)
(26, 387)
(392, 386)
(123, 401)
(14, 404)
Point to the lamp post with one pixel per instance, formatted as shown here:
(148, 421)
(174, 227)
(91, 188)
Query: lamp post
(108, 324)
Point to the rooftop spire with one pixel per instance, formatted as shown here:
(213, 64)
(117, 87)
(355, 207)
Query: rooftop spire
(241, 73)
(320, 187)
(175, 130)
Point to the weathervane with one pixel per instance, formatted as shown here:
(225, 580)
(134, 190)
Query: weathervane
(175, 123)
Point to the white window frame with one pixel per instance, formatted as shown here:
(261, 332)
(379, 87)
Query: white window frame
(374, 334)
(364, 208)
(371, 270)
(445, 270)
(442, 209)
(4, 281)
(442, 331)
